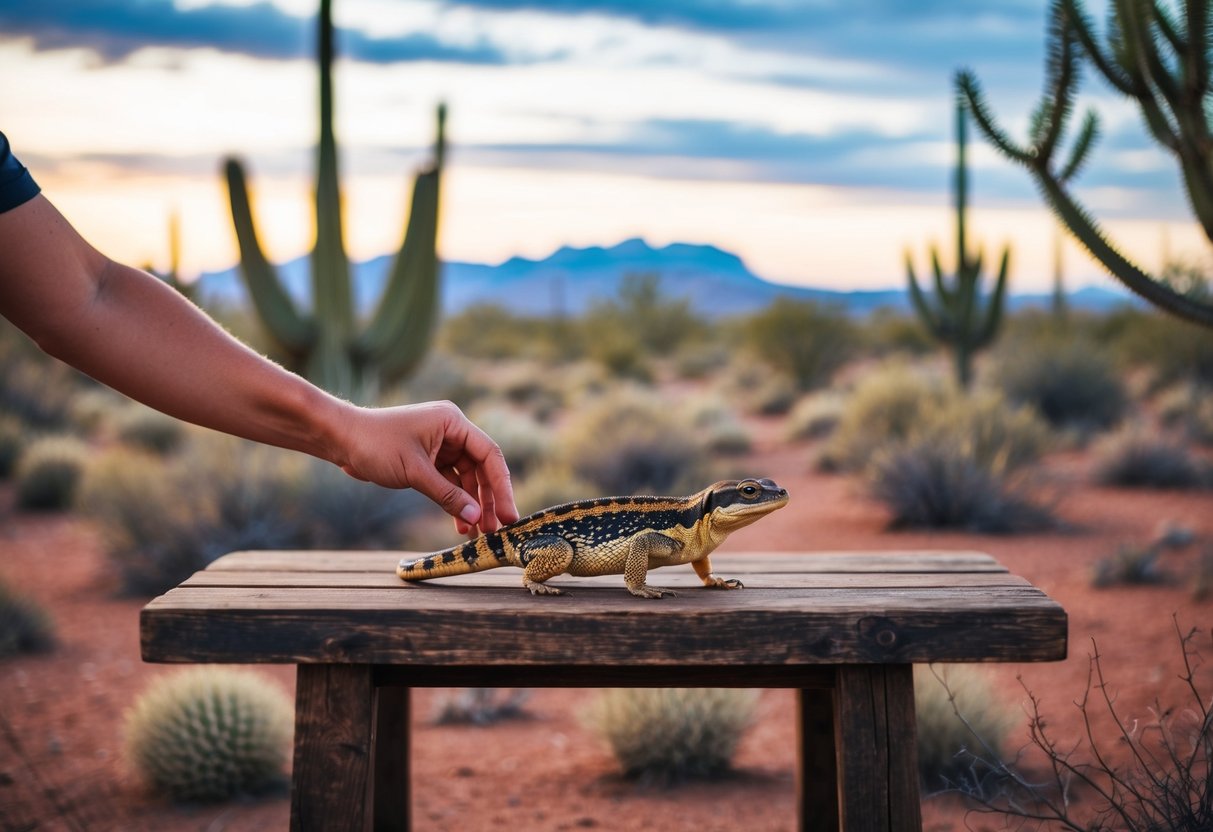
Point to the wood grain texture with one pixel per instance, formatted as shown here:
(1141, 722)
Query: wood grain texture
(330, 782)
(876, 749)
(794, 611)
(817, 797)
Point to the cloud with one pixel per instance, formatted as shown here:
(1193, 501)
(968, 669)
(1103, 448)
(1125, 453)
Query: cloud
(114, 29)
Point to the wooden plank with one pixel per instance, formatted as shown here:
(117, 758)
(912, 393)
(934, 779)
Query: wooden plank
(583, 597)
(674, 576)
(385, 561)
(875, 743)
(330, 779)
(817, 795)
(825, 629)
(803, 676)
(390, 744)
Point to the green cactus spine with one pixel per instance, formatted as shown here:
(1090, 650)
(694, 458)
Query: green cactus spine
(1160, 59)
(958, 316)
(209, 733)
(325, 345)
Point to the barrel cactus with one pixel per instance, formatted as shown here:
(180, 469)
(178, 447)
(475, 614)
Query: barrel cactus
(207, 734)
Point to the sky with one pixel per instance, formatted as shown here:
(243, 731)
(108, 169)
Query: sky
(811, 137)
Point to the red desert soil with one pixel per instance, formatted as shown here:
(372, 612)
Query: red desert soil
(61, 763)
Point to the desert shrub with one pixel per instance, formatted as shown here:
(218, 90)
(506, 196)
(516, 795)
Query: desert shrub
(806, 341)
(696, 360)
(994, 433)
(149, 429)
(1069, 382)
(525, 442)
(718, 426)
(1134, 459)
(480, 706)
(12, 439)
(164, 521)
(956, 711)
(759, 388)
(33, 386)
(1131, 565)
(440, 377)
(887, 331)
(49, 471)
(660, 324)
(337, 511)
(815, 416)
(209, 734)
(669, 734)
(1188, 408)
(485, 330)
(1174, 350)
(631, 443)
(933, 482)
(619, 350)
(886, 406)
(93, 409)
(25, 626)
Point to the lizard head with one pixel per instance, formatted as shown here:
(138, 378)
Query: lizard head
(732, 504)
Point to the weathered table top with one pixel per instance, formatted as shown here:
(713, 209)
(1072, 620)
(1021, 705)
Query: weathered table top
(797, 609)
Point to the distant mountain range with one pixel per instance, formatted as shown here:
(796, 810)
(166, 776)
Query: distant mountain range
(570, 280)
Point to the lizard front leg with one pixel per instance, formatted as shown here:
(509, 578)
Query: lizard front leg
(544, 557)
(636, 569)
(703, 568)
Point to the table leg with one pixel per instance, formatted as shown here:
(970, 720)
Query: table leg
(875, 732)
(334, 705)
(390, 795)
(817, 794)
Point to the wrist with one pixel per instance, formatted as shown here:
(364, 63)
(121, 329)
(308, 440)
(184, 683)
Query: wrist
(328, 421)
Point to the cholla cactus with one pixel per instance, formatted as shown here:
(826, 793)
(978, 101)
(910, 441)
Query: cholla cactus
(49, 471)
(1155, 54)
(667, 734)
(209, 733)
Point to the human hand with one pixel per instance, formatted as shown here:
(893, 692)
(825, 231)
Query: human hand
(433, 448)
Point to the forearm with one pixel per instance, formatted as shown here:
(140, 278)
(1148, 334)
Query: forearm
(137, 335)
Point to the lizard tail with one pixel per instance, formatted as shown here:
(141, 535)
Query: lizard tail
(485, 552)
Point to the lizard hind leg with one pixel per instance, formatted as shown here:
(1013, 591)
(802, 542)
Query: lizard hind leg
(544, 557)
(703, 568)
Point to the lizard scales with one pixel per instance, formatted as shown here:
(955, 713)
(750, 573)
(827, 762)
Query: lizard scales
(612, 535)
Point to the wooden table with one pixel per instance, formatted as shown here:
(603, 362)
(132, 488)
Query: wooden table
(842, 629)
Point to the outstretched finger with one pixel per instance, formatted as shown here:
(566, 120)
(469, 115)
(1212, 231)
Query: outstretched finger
(449, 496)
(493, 473)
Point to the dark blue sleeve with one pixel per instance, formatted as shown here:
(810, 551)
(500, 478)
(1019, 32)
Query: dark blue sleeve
(16, 184)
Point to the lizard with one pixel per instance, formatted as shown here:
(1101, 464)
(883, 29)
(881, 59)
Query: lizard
(611, 536)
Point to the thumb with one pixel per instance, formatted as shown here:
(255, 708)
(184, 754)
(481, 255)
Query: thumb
(450, 498)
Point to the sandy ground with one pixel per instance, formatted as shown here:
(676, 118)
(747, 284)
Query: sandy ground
(61, 763)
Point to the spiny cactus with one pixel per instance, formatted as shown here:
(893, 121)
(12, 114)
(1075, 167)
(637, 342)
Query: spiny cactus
(957, 317)
(324, 345)
(49, 471)
(209, 733)
(173, 276)
(1161, 60)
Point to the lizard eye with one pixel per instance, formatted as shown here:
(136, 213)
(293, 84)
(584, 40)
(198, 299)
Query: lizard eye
(748, 490)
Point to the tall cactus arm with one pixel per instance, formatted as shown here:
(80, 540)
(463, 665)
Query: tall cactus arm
(331, 289)
(967, 83)
(1088, 134)
(1107, 65)
(404, 319)
(994, 304)
(928, 315)
(397, 336)
(290, 331)
(1088, 232)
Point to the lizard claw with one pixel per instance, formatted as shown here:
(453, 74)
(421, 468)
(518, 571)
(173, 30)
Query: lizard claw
(537, 588)
(723, 583)
(646, 591)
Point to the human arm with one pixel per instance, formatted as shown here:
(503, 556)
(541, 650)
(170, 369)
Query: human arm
(131, 332)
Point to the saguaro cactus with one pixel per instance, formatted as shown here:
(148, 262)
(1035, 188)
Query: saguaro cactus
(959, 317)
(1161, 60)
(325, 344)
